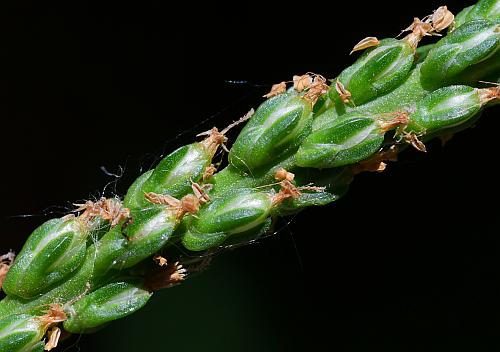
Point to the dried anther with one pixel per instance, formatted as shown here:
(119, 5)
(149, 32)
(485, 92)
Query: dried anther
(412, 139)
(282, 175)
(377, 163)
(430, 25)
(488, 94)
(215, 138)
(390, 121)
(54, 334)
(289, 190)
(344, 94)
(160, 260)
(316, 89)
(109, 209)
(190, 203)
(6, 261)
(276, 89)
(201, 192)
(165, 277)
(55, 314)
(366, 43)
(209, 172)
(442, 18)
(187, 204)
(302, 82)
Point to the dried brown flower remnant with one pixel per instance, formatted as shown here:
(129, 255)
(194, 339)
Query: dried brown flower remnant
(344, 94)
(276, 89)
(109, 209)
(6, 261)
(316, 89)
(160, 260)
(488, 94)
(289, 190)
(442, 18)
(365, 43)
(430, 25)
(54, 334)
(281, 175)
(166, 277)
(187, 204)
(412, 139)
(215, 138)
(190, 203)
(390, 121)
(209, 172)
(418, 30)
(376, 163)
(302, 82)
(201, 192)
(55, 314)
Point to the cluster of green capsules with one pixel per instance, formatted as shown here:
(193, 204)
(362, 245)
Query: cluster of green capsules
(300, 148)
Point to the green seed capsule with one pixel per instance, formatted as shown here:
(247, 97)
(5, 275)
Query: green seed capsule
(135, 194)
(148, 233)
(174, 174)
(111, 302)
(485, 9)
(21, 333)
(250, 235)
(277, 128)
(234, 212)
(462, 17)
(39, 347)
(376, 72)
(445, 108)
(469, 44)
(51, 253)
(324, 119)
(351, 138)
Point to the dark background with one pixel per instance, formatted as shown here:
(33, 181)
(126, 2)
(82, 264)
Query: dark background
(407, 261)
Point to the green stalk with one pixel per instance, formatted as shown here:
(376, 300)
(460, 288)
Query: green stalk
(300, 148)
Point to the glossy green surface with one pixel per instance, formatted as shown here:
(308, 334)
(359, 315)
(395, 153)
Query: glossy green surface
(108, 303)
(277, 128)
(51, 253)
(61, 263)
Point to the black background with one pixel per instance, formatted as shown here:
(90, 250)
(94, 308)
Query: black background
(407, 261)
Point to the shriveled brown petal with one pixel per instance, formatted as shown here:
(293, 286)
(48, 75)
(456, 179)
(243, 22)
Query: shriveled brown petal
(390, 121)
(302, 82)
(54, 334)
(281, 174)
(209, 172)
(442, 18)
(416, 143)
(344, 94)
(276, 89)
(160, 260)
(163, 199)
(368, 42)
